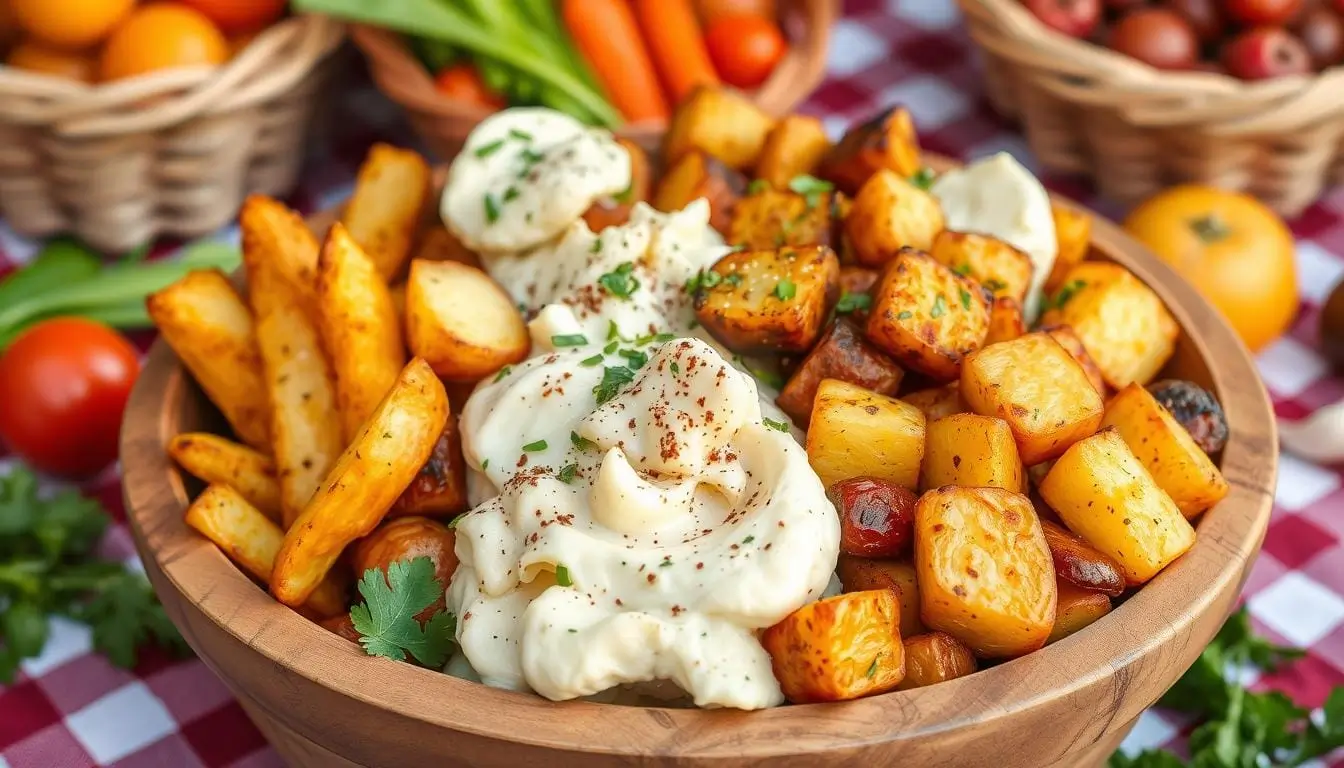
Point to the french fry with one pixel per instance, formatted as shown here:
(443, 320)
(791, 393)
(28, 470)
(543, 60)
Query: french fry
(368, 478)
(242, 532)
(205, 321)
(273, 234)
(219, 461)
(438, 244)
(383, 214)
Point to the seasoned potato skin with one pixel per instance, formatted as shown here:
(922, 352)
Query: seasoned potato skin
(697, 175)
(971, 450)
(840, 648)
(1194, 408)
(877, 517)
(1073, 233)
(1068, 339)
(771, 218)
(885, 142)
(858, 574)
(1002, 269)
(440, 488)
(938, 402)
(888, 214)
(857, 433)
(1005, 321)
(445, 306)
(1079, 563)
(1077, 609)
(614, 210)
(926, 316)
(408, 538)
(842, 353)
(793, 147)
(720, 123)
(935, 657)
(746, 311)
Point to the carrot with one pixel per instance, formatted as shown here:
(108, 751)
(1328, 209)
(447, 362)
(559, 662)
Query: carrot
(678, 48)
(606, 34)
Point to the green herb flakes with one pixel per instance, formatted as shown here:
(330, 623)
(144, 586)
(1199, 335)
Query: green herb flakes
(613, 379)
(486, 150)
(581, 442)
(904, 314)
(757, 186)
(491, 209)
(811, 188)
(539, 445)
(505, 371)
(1065, 293)
(620, 282)
(589, 362)
(519, 135)
(939, 307)
(569, 340)
(852, 302)
(965, 299)
(567, 473)
(923, 178)
(676, 369)
(562, 576)
(778, 426)
(785, 289)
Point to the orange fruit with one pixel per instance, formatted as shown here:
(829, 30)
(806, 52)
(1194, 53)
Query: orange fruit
(35, 56)
(161, 36)
(69, 23)
(240, 15)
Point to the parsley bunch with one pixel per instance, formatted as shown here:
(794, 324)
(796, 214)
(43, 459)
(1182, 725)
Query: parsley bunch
(48, 567)
(386, 620)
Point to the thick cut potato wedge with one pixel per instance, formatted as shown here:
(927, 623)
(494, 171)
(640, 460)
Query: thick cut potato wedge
(1077, 609)
(1073, 233)
(889, 214)
(614, 211)
(938, 402)
(1036, 386)
(1102, 493)
(1069, 340)
(858, 574)
(857, 433)
(984, 570)
(698, 175)
(219, 461)
(210, 329)
(935, 657)
(926, 316)
(440, 488)
(1166, 450)
(1079, 563)
(720, 123)
(770, 218)
(1002, 269)
(792, 148)
(971, 450)
(1005, 321)
(383, 215)
(461, 322)
(438, 244)
(368, 478)
(841, 354)
(840, 648)
(274, 234)
(252, 540)
(886, 142)
(771, 300)
(1122, 322)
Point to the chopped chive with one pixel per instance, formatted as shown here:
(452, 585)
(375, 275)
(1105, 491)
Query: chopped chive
(505, 371)
(676, 369)
(851, 302)
(664, 336)
(510, 194)
(539, 445)
(485, 463)
(520, 135)
(610, 348)
(491, 209)
(965, 299)
(589, 362)
(562, 576)
(757, 186)
(566, 473)
(778, 426)
(486, 150)
(785, 289)
(597, 245)
(569, 340)
(581, 442)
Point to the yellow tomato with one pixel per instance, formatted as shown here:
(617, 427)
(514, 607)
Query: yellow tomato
(69, 23)
(1232, 249)
(162, 36)
(38, 57)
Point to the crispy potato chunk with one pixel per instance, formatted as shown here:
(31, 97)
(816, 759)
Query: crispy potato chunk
(858, 574)
(770, 218)
(440, 488)
(1102, 493)
(1005, 321)
(927, 316)
(721, 123)
(407, 538)
(1077, 609)
(218, 461)
(438, 244)
(1122, 322)
(273, 234)
(204, 320)
(889, 214)
(769, 301)
(886, 142)
(1196, 409)
(971, 450)
(1073, 233)
(857, 433)
(938, 401)
(1069, 340)
(935, 657)
(1079, 563)
(984, 570)
(461, 322)
(841, 205)
(1002, 269)
(698, 175)
(1166, 450)
(793, 147)
(384, 212)
(841, 354)
(1036, 386)
(837, 649)
(856, 280)
(614, 210)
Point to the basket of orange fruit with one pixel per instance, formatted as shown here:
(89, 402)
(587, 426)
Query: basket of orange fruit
(124, 120)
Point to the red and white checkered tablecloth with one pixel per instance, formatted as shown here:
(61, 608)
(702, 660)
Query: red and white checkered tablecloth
(70, 709)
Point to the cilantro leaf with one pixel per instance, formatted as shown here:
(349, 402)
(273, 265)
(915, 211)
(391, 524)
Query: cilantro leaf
(386, 620)
(620, 282)
(614, 377)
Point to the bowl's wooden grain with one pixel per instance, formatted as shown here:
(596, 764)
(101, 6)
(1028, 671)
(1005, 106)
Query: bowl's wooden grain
(322, 702)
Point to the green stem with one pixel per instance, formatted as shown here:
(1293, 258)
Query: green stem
(1210, 228)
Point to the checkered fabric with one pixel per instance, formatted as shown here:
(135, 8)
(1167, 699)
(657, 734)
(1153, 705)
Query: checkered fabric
(70, 709)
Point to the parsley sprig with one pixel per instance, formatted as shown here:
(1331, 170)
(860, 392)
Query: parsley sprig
(621, 281)
(386, 620)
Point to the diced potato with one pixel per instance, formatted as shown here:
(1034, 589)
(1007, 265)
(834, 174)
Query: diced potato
(971, 450)
(218, 461)
(938, 401)
(926, 316)
(1035, 385)
(438, 244)
(1122, 322)
(857, 280)
(935, 657)
(1166, 450)
(984, 570)
(1196, 409)
(440, 488)
(615, 210)
(1073, 234)
(842, 353)
(857, 433)
(793, 147)
(858, 574)
(889, 214)
(383, 215)
(721, 123)
(836, 649)
(1002, 269)
(273, 234)
(461, 322)
(1079, 563)
(698, 175)
(1077, 609)
(1069, 340)
(1005, 321)
(841, 205)
(1103, 494)
(769, 300)
(886, 142)
(770, 218)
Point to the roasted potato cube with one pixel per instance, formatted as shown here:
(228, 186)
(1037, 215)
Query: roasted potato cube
(1122, 322)
(886, 142)
(858, 280)
(218, 461)
(1069, 340)
(841, 354)
(858, 433)
(1079, 563)
(770, 218)
(1005, 321)
(1077, 608)
(935, 657)
(836, 649)
(938, 401)
(438, 244)
(926, 316)
(440, 488)
(841, 205)
(984, 570)
(1166, 450)
(721, 123)
(877, 517)
(1002, 269)
(860, 573)
(461, 322)
(770, 300)
(1073, 233)
(1102, 493)
(405, 539)
(971, 450)
(1035, 385)
(793, 147)
(384, 212)
(889, 214)
(614, 211)
(698, 175)
(1194, 408)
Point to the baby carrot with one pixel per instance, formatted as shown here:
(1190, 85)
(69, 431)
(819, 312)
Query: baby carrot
(606, 34)
(677, 47)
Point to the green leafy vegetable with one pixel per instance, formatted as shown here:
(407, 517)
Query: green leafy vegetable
(852, 302)
(613, 378)
(386, 619)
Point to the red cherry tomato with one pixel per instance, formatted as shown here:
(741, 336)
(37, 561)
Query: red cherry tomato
(462, 83)
(63, 387)
(239, 15)
(744, 49)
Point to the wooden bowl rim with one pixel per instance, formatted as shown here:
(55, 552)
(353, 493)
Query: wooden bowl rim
(1092, 662)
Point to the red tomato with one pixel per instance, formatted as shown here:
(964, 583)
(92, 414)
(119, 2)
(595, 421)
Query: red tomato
(745, 49)
(462, 83)
(63, 387)
(239, 15)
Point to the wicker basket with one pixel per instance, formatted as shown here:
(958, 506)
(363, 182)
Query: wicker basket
(173, 153)
(1135, 130)
(443, 124)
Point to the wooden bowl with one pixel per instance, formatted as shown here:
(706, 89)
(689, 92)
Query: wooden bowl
(322, 702)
